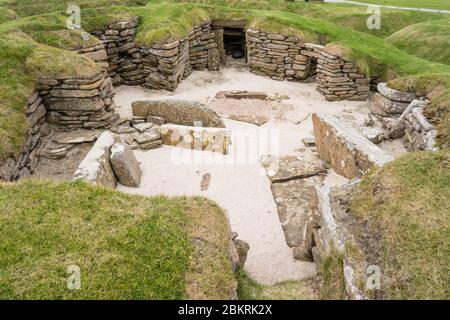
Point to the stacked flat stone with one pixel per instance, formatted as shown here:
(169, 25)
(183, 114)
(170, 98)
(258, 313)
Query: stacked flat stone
(84, 102)
(95, 52)
(203, 49)
(22, 166)
(277, 56)
(123, 55)
(166, 64)
(284, 57)
(339, 79)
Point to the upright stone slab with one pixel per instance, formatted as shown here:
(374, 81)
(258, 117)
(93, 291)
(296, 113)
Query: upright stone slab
(125, 165)
(349, 153)
(95, 167)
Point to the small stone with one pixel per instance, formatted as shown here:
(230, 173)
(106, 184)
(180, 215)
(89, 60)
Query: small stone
(309, 142)
(206, 179)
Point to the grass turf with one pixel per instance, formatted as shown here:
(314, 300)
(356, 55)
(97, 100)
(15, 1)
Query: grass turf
(405, 208)
(429, 40)
(29, 42)
(127, 247)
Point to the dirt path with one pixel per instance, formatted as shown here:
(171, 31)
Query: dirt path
(241, 188)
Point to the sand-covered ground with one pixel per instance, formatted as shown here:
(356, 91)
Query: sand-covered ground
(238, 183)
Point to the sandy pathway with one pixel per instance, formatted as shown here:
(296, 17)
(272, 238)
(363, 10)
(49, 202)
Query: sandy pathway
(242, 189)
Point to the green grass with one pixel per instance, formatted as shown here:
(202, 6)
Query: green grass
(127, 247)
(405, 207)
(429, 40)
(332, 278)
(30, 45)
(6, 14)
(249, 289)
(428, 4)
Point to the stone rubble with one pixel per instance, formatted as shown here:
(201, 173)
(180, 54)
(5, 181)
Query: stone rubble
(400, 114)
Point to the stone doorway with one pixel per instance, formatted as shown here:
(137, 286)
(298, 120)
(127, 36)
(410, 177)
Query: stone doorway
(234, 43)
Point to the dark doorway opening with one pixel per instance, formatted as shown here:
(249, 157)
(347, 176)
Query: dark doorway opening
(234, 43)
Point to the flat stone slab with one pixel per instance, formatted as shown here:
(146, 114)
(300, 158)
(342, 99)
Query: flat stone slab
(253, 119)
(96, 167)
(383, 106)
(77, 136)
(344, 148)
(395, 95)
(241, 94)
(303, 165)
(295, 200)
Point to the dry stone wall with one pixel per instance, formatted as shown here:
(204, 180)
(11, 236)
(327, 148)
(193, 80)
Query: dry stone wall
(23, 165)
(161, 65)
(84, 102)
(290, 58)
(123, 57)
(338, 78)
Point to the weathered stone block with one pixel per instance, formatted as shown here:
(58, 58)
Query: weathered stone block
(178, 112)
(345, 149)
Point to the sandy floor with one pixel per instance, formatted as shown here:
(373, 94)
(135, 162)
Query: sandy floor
(238, 183)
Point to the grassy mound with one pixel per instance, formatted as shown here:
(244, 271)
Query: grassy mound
(127, 247)
(429, 40)
(405, 209)
(29, 42)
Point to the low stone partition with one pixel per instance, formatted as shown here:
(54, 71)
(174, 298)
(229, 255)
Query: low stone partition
(180, 112)
(84, 102)
(284, 57)
(196, 138)
(23, 165)
(400, 114)
(345, 149)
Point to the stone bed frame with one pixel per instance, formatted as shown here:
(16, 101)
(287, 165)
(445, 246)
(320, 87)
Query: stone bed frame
(87, 102)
